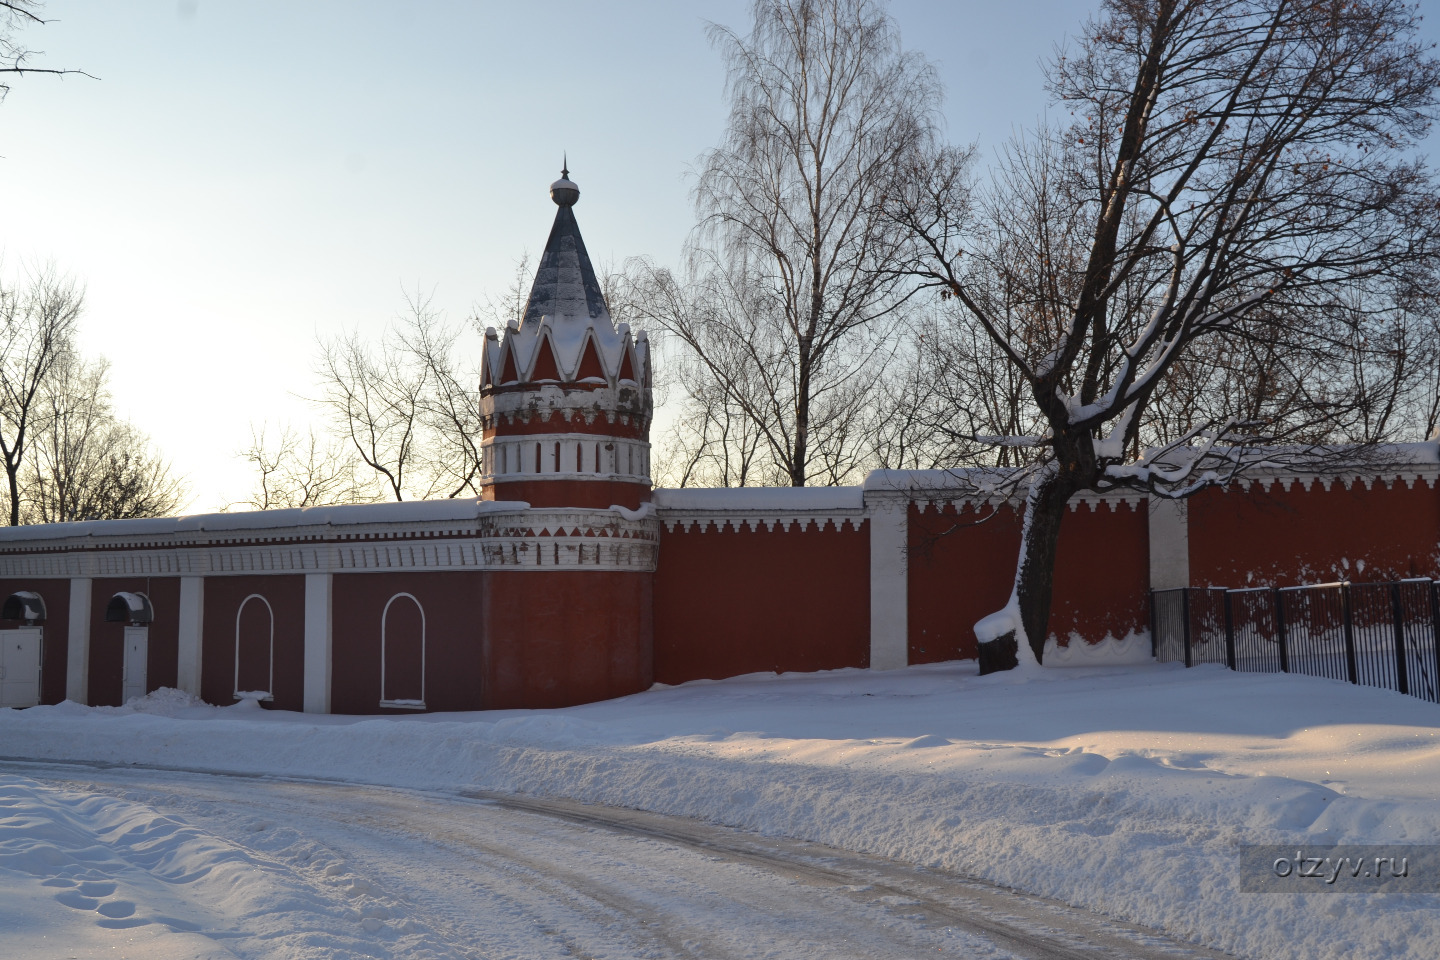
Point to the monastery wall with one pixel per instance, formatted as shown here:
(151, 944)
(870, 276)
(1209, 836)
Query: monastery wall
(1362, 528)
(767, 580)
(465, 605)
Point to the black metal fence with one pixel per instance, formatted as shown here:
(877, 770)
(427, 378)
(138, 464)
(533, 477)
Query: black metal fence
(1377, 634)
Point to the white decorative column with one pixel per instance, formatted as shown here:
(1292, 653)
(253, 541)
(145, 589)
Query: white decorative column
(1169, 544)
(318, 590)
(77, 657)
(192, 630)
(889, 582)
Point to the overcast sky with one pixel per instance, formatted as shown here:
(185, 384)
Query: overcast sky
(247, 175)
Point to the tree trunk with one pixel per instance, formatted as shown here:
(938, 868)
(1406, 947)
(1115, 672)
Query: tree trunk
(801, 450)
(13, 476)
(1034, 571)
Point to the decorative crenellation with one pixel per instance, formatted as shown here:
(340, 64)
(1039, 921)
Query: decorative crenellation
(785, 523)
(526, 539)
(1113, 499)
(626, 407)
(1408, 477)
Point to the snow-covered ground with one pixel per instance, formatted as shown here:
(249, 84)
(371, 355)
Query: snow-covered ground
(1129, 789)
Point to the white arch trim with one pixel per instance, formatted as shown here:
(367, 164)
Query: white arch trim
(268, 694)
(384, 620)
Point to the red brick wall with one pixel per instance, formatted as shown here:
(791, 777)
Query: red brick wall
(107, 653)
(962, 567)
(55, 647)
(223, 596)
(454, 665)
(732, 602)
(1279, 537)
(559, 638)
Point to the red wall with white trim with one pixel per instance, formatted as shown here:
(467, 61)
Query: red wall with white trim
(107, 646)
(223, 596)
(454, 654)
(1275, 537)
(731, 602)
(55, 631)
(962, 566)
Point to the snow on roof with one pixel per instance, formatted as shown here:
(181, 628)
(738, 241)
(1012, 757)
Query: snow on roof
(566, 297)
(566, 306)
(761, 498)
(1257, 461)
(970, 478)
(414, 511)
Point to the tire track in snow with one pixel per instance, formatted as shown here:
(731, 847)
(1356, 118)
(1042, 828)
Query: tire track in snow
(878, 900)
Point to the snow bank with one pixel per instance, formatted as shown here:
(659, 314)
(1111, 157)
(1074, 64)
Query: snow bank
(1130, 790)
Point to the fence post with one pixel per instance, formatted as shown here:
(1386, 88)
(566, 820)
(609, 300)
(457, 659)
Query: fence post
(1435, 633)
(1397, 612)
(1351, 667)
(1280, 630)
(1154, 633)
(1185, 622)
(1229, 634)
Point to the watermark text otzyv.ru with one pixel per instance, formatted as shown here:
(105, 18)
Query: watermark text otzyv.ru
(1354, 868)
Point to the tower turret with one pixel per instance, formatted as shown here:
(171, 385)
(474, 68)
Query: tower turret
(565, 394)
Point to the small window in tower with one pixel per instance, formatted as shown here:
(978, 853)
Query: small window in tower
(537, 458)
(579, 457)
(557, 456)
(597, 458)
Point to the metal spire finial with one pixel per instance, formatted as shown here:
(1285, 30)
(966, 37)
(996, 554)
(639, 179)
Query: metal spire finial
(565, 167)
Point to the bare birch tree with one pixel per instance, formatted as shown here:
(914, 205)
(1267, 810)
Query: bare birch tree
(15, 57)
(39, 311)
(407, 405)
(84, 463)
(373, 399)
(792, 264)
(1232, 214)
(296, 470)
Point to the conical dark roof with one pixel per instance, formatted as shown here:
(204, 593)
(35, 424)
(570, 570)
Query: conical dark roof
(567, 308)
(565, 284)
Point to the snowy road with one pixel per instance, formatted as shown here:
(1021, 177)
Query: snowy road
(191, 865)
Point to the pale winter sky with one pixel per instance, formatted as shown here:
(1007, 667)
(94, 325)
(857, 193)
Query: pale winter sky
(245, 177)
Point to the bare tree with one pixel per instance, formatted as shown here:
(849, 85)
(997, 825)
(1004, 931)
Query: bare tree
(1198, 257)
(406, 404)
(793, 263)
(304, 470)
(374, 401)
(38, 314)
(499, 311)
(83, 462)
(15, 15)
(449, 406)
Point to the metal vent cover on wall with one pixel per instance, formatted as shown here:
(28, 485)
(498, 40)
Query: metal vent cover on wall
(129, 608)
(25, 605)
